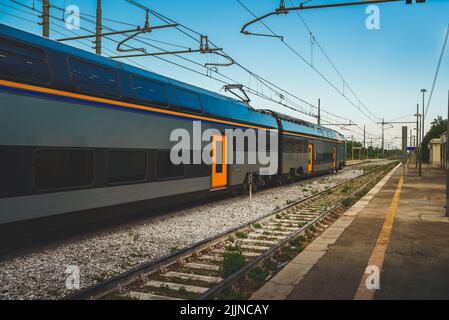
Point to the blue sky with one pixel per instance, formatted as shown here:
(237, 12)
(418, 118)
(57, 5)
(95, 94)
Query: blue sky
(386, 68)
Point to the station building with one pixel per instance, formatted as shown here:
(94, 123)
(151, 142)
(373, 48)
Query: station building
(438, 147)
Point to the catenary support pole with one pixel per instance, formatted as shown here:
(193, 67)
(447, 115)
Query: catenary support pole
(46, 18)
(98, 42)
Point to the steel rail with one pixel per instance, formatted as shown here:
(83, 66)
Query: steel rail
(124, 279)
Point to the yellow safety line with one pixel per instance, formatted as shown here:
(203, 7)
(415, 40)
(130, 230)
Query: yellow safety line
(378, 254)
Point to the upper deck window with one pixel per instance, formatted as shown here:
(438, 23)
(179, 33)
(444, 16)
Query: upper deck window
(148, 90)
(93, 79)
(188, 100)
(23, 62)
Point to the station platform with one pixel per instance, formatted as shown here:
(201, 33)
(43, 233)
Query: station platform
(398, 233)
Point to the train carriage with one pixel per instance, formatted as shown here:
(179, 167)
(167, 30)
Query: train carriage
(80, 133)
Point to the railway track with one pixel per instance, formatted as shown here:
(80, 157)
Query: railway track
(243, 258)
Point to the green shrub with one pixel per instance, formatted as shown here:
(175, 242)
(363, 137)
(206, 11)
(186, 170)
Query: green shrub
(233, 261)
(231, 294)
(297, 241)
(234, 248)
(241, 235)
(348, 202)
(258, 274)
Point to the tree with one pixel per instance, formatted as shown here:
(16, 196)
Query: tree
(349, 145)
(439, 126)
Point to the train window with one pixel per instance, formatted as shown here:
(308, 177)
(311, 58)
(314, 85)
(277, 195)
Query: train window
(24, 63)
(149, 90)
(165, 167)
(188, 100)
(127, 166)
(94, 79)
(62, 168)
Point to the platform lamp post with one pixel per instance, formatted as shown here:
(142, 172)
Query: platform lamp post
(418, 140)
(423, 131)
(423, 91)
(447, 165)
(404, 148)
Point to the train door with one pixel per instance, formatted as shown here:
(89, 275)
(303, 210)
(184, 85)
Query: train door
(334, 157)
(219, 162)
(311, 158)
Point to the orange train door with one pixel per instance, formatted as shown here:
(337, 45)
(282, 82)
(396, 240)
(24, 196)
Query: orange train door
(310, 168)
(219, 163)
(334, 157)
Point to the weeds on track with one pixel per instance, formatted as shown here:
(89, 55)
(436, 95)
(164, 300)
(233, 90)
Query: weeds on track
(241, 235)
(233, 261)
(258, 275)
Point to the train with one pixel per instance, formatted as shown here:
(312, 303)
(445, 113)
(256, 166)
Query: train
(81, 133)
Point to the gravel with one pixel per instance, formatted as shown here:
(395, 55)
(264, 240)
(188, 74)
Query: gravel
(42, 275)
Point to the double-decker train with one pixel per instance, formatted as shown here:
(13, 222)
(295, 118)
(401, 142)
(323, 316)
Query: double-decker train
(81, 133)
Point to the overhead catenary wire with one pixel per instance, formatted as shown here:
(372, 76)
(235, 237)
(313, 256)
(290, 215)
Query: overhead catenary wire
(84, 15)
(368, 114)
(344, 81)
(180, 25)
(168, 20)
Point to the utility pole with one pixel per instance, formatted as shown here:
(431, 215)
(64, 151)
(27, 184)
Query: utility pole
(352, 146)
(98, 29)
(364, 138)
(419, 134)
(46, 18)
(423, 116)
(404, 148)
(319, 112)
(383, 137)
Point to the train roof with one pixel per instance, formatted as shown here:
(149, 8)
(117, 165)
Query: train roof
(216, 104)
(295, 125)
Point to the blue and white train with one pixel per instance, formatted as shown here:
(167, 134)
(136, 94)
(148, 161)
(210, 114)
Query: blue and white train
(81, 133)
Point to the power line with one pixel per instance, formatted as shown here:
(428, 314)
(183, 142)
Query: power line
(345, 82)
(265, 81)
(252, 91)
(166, 60)
(370, 116)
(443, 49)
(84, 15)
(17, 17)
(168, 20)
(403, 117)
